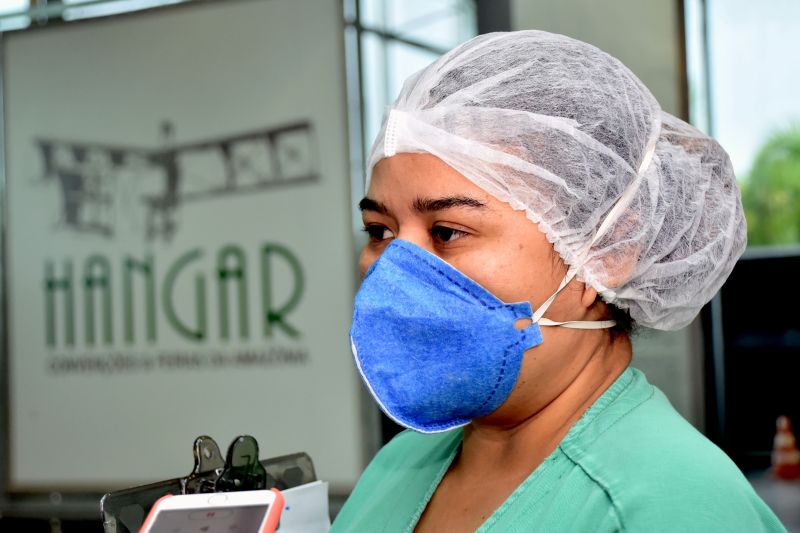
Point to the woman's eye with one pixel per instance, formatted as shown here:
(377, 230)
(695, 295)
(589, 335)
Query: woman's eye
(378, 233)
(445, 234)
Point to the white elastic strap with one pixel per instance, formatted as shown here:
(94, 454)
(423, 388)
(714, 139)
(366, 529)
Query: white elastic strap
(537, 316)
(622, 203)
(613, 215)
(648, 156)
(579, 324)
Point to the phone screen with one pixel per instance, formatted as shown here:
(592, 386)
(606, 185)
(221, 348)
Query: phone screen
(245, 519)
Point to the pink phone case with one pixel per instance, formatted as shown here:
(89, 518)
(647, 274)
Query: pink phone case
(270, 524)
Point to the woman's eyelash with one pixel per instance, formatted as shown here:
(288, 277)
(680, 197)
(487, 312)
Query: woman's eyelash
(443, 234)
(447, 234)
(376, 231)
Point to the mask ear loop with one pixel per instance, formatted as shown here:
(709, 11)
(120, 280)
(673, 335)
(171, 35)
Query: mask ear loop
(612, 217)
(573, 324)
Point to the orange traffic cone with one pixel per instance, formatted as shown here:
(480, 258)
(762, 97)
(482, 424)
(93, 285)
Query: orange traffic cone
(785, 456)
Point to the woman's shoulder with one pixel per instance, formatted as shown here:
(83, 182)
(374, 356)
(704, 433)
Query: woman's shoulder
(409, 448)
(398, 480)
(657, 468)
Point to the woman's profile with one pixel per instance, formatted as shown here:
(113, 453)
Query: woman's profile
(528, 204)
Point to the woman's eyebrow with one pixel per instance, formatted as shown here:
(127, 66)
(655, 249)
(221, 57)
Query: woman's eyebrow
(368, 204)
(424, 205)
(427, 205)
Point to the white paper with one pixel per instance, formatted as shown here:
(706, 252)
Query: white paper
(306, 509)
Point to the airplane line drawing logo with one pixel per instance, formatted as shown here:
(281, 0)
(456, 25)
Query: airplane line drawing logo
(100, 182)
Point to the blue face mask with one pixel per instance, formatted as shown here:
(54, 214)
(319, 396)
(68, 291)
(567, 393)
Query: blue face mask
(435, 348)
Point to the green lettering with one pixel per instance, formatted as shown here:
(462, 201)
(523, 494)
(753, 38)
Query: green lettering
(276, 316)
(102, 281)
(51, 286)
(199, 332)
(146, 268)
(237, 274)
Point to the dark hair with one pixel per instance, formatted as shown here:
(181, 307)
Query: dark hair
(625, 324)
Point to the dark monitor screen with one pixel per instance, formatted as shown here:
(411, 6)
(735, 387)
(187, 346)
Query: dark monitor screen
(759, 314)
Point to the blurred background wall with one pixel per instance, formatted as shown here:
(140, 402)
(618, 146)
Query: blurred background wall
(646, 36)
(727, 66)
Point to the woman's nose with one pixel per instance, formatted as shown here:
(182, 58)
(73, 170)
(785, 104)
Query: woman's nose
(417, 235)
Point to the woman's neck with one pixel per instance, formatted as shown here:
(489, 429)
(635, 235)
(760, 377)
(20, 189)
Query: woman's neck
(501, 450)
(519, 446)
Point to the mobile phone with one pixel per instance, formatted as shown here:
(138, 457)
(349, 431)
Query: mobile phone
(250, 511)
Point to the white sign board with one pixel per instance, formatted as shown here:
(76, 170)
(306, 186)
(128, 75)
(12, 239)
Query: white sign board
(178, 243)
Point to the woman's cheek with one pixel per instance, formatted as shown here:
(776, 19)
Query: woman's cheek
(499, 275)
(365, 260)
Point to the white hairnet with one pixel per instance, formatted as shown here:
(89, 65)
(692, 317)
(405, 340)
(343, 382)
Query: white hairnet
(642, 206)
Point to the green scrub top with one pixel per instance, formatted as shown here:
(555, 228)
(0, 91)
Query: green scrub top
(631, 463)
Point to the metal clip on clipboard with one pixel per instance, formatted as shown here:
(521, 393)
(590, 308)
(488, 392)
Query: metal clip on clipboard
(124, 510)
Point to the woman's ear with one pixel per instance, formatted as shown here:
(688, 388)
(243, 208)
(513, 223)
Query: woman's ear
(589, 296)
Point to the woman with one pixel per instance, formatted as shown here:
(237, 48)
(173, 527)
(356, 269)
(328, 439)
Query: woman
(528, 202)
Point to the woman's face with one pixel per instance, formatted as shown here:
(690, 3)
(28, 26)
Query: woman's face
(420, 199)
